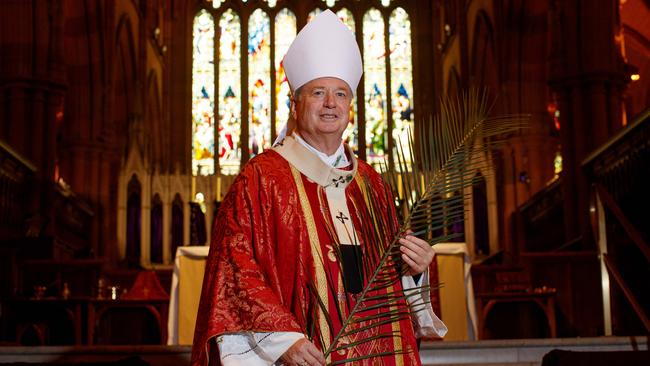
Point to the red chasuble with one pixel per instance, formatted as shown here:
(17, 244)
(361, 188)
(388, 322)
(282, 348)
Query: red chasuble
(272, 240)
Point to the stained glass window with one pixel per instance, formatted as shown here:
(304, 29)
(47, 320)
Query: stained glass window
(313, 13)
(374, 60)
(557, 163)
(285, 32)
(259, 82)
(401, 74)
(388, 94)
(203, 95)
(347, 18)
(351, 134)
(229, 93)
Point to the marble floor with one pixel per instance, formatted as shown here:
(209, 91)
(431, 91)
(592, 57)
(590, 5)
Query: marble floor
(519, 352)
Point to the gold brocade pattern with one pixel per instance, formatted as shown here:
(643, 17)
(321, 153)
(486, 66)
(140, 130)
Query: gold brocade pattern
(269, 253)
(397, 341)
(330, 253)
(399, 358)
(321, 280)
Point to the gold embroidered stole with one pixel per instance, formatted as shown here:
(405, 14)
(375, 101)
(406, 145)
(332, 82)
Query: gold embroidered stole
(333, 182)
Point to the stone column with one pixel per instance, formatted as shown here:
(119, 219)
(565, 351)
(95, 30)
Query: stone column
(32, 84)
(587, 73)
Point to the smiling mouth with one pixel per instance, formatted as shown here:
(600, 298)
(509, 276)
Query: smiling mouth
(329, 116)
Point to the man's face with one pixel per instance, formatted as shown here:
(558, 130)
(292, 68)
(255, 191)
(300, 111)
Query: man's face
(322, 108)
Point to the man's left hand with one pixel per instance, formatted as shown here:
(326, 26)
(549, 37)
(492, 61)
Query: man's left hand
(416, 253)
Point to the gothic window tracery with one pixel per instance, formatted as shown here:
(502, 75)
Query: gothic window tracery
(228, 129)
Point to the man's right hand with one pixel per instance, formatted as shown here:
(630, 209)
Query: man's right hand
(303, 353)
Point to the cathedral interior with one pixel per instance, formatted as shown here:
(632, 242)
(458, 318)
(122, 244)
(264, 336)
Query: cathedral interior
(123, 125)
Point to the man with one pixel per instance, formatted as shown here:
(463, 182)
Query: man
(283, 216)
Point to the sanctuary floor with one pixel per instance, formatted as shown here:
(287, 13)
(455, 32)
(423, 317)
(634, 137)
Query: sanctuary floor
(519, 352)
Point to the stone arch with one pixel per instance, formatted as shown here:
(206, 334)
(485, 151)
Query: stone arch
(156, 248)
(453, 83)
(480, 215)
(124, 80)
(155, 126)
(133, 222)
(483, 65)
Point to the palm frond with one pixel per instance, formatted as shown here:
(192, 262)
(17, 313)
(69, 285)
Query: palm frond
(430, 176)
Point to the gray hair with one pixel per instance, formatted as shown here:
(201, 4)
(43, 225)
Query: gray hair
(296, 93)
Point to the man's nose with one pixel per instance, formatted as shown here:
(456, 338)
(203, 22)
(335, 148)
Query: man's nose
(329, 100)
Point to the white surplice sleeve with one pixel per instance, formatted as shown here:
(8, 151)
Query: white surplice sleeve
(264, 349)
(255, 348)
(426, 322)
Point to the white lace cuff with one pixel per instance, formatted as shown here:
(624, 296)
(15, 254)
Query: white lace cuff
(426, 322)
(255, 349)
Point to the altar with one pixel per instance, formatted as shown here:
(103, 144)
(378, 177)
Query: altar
(456, 294)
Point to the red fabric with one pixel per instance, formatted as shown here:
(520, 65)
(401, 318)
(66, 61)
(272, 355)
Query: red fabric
(260, 261)
(355, 199)
(434, 278)
(146, 286)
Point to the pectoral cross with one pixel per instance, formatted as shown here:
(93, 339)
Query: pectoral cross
(337, 181)
(342, 217)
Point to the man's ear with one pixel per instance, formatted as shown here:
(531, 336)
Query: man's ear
(292, 107)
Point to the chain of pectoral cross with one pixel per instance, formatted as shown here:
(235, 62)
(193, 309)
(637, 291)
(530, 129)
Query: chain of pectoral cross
(324, 208)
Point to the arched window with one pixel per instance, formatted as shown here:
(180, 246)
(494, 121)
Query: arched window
(259, 82)
(374, 71)
(285, 32)
(156, 226)
(480, 211)
(177, 224)
(252, 93)
(351, 134)
(229, 105)
(313, 14)
(133, 222)
(401, 75)
(203, 95)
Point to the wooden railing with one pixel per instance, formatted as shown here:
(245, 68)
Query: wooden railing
(620, 175)
(540, 221)
(16, 180)
(605, 200)
(619, 172)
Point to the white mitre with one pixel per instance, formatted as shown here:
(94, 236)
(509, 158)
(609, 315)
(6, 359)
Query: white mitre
(324, 47)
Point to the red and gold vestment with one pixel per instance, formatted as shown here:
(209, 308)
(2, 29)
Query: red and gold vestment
(271, 241)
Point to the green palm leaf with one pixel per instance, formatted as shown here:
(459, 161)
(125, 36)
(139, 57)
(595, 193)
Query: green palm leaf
(429, 178)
